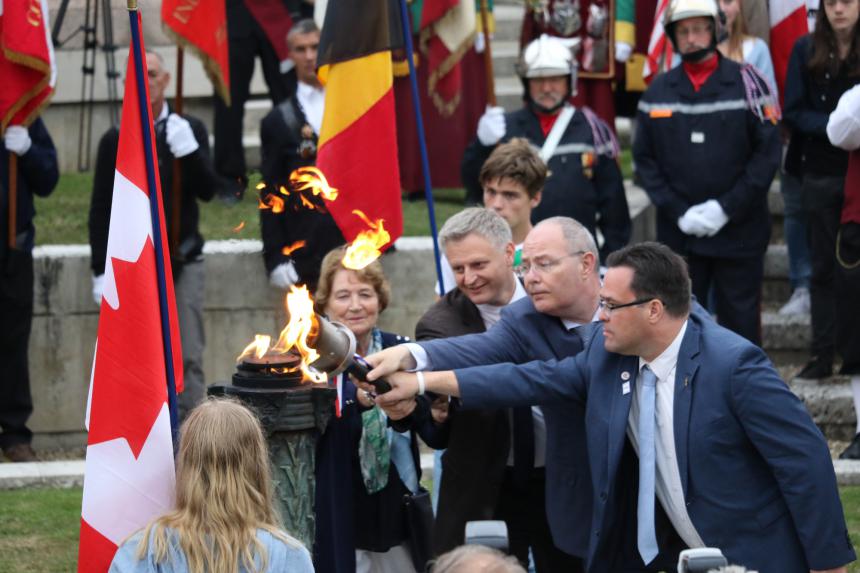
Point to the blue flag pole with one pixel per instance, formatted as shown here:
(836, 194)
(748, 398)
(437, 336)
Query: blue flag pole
(146, 129)
(422, 142)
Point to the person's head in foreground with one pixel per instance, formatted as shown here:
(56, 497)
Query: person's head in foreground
(476, 559)
(223, 521)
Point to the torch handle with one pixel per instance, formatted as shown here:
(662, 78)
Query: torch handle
(359, 368)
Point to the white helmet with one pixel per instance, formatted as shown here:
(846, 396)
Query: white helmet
(548, 56)
(683, 9)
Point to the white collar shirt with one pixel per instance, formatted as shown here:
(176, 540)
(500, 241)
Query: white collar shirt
(312, 101)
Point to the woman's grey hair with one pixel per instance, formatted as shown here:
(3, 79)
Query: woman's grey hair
(577, 237)
(476, 559)
(478, 221)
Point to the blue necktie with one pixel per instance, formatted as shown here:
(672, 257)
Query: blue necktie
(646, 536)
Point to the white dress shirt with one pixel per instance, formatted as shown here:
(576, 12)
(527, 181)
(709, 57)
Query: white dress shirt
(670, 493)
(312, 101)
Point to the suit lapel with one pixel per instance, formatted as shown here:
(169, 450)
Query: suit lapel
(685, 372)
(620, 410)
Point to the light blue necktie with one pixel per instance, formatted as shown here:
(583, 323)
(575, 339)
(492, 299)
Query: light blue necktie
(646, 536)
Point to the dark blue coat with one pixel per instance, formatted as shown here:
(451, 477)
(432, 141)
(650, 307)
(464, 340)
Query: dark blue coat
(693, 146)
(37, 175)
(755, 470)
(524, 334)
(568, 190)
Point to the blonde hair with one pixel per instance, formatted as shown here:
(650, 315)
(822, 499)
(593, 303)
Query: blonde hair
(223, 493)
(476, 558)
(372, 274)
(737, 33)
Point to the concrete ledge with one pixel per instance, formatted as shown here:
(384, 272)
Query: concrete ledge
(42, 474)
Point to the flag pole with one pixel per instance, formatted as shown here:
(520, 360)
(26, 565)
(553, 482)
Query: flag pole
(488, 54)
(13, 200)
(176, 187)
(422, 143)
(146, 129)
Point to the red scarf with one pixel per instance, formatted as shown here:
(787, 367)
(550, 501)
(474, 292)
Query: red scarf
(547, 120)
(699, 72)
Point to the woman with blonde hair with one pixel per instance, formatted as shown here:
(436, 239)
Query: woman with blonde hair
(224, 521)
(739, 46)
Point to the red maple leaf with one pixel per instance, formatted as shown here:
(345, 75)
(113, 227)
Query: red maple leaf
(129, 382)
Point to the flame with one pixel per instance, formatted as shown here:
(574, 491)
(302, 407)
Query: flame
(301, 326)
(239, 227)
(273, 202)
(283, 190)
(367, 246)
(312, 179)
(289, 249)
(258, 348)
(261, 185)
(306, 202)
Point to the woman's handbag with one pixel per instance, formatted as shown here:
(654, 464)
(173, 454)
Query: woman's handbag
(419, 520)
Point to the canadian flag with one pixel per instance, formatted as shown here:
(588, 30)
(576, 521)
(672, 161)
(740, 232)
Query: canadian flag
(129, 477)
(787, 23)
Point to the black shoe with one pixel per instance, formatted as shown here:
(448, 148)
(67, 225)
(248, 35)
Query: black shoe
(852, 452)
(817, 368)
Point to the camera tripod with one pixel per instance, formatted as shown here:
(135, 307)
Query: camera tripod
(91, 45)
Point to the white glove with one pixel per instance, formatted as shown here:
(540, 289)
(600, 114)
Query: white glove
(491, 126)
(17, 139)
(480, 42)
(712, 214)
(692, 223)
(284, 276)
(98, 288)
(623, 51)
(180, 136)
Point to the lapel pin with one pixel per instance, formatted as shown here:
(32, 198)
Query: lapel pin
(686, 381)
(625, 388)
(625, 375)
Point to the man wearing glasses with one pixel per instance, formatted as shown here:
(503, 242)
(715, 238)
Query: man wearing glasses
(559, 270)
(706, 149)
(693, 438)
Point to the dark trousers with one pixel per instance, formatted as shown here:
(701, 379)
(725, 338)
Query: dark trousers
(229, 153)
(848, 298)
(523, 509)
(16, 317)
(734, 286)
(822, 199)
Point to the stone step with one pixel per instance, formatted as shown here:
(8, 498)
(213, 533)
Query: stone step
(831, 405)
(785, 333)
(509, 21)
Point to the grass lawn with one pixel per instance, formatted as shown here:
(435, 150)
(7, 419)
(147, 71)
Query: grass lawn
(62, 217)
(39, 529)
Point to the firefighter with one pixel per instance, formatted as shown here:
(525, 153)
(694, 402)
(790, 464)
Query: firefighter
(581, 151)
(706, 148)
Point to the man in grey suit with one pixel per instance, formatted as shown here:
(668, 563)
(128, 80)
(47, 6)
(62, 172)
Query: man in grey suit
(560, 273)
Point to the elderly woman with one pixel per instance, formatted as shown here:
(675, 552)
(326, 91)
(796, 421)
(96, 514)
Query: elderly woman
(364, 469)
(223, 521)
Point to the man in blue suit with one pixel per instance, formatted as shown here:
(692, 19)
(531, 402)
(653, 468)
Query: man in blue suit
(560, 273)
(693, 439)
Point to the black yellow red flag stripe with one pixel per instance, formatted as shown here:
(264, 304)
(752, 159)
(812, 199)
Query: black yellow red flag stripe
(358, 139)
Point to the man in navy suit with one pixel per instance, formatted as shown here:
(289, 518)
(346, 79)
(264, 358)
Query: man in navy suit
(693, 439)
(559, 270)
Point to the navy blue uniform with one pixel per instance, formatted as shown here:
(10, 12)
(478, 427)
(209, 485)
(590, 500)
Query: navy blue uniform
(37, 175)
(712, 144)
(571, 190)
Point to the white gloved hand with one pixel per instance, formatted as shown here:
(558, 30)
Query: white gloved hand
(17, 139)
(692, 223)
(180, 136)
(491, 126)
(712, 214)
(480, 42)
(98, 288)
(623, 51)
(284, 276)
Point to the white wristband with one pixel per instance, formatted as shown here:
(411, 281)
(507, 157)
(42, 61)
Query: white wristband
(420, 376)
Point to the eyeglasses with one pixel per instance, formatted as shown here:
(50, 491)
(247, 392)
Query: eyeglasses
(694, 30)
(609, 307)
(542, 266)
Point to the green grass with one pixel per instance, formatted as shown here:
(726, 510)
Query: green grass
(39, 528)
(62, 217)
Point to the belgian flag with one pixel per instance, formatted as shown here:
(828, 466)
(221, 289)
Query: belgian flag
(357, 150)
